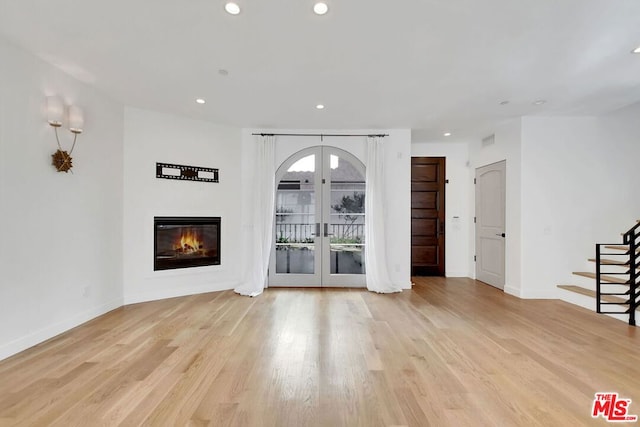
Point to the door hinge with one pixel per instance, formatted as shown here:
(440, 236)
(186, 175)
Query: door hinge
(474, 258)
(324, 181)
(446, 181)
(474, 180)
(474, 219)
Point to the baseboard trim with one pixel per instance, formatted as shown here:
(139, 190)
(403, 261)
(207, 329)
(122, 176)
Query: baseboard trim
(531, 293)
(588, 303)
(139, 297)
(39, 336)
(457, 274)
(512, 291)
(546, 294)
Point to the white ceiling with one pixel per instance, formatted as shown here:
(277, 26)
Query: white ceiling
(430, 65)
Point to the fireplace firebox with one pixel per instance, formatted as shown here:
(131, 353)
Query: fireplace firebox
(182, 242)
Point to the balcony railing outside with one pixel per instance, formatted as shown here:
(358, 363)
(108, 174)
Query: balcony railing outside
(295, 248)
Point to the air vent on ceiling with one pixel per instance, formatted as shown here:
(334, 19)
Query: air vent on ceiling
(490, 140)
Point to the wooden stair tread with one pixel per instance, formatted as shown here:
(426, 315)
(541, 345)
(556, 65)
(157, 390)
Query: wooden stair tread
(610, 261)
(620, 247)
(604, 261)
(603, 277)
(591, 293)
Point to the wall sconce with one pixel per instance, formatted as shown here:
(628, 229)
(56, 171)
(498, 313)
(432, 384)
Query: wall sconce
(55, 115)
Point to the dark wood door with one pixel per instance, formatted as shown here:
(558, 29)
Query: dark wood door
(427, 216)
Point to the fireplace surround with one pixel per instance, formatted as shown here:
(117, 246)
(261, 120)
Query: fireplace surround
(183, 242)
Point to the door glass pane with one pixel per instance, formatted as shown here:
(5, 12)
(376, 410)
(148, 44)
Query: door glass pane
(295, 219)
(347, 218)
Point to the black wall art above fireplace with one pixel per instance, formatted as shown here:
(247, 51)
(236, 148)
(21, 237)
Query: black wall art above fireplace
(182, 242)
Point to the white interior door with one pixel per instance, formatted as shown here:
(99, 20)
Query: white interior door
(319, 220)
(490, 223)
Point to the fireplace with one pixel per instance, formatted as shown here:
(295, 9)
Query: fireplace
(182, 242)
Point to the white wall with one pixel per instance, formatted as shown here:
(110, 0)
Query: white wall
(398, 188)
(152, 137)
(507, 147)
(459, 218)
(60, 251)
(579, 176)
(398, 215)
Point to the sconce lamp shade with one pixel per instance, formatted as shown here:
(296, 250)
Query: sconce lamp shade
(55, 111)
(76, 119)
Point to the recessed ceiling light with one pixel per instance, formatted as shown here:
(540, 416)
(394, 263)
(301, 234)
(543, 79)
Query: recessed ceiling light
(200, 101)
(539, 102)
(636, 50)
(447, 134)
(320, 107)
(232, 8)
(320, 8)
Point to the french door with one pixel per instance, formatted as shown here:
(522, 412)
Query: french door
(319, 220)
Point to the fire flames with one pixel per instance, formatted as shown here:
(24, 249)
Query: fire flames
(190, 243)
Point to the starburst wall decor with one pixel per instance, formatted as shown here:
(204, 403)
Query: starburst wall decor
(62, 161)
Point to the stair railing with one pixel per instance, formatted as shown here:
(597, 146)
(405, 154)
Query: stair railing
(598, 279)
(603, 279)
(631, 238)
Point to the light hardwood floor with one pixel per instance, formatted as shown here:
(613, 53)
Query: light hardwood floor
(451, 352)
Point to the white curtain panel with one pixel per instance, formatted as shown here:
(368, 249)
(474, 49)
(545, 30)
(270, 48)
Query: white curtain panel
(255, 279)
(377, 275)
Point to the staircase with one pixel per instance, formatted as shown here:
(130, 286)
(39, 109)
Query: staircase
(617, 275)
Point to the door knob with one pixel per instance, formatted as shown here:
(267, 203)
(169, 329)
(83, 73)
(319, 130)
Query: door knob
(501, 234)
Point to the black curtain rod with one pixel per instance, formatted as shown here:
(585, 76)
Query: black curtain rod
(321, 134)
